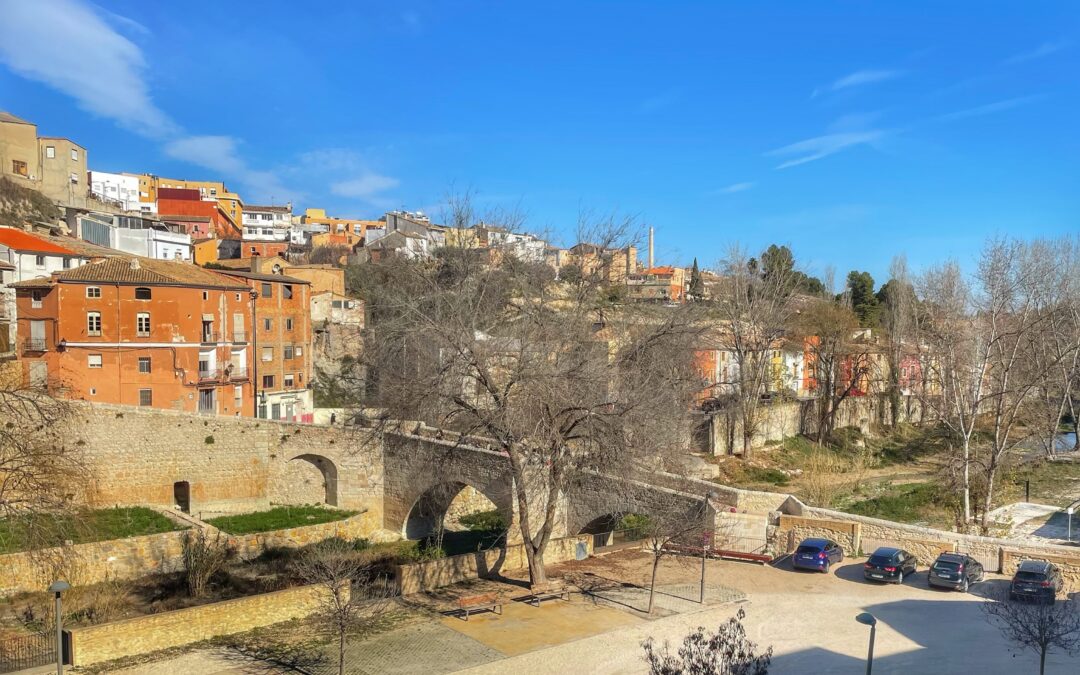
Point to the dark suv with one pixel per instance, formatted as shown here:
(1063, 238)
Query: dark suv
(1036, 580)
(956, 571)
(889, 564)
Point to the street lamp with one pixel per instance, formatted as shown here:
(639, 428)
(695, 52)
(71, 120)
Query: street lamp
(867, 619)
(706, 538)
(56, 588)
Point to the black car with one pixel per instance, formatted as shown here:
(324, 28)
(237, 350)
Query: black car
(1036, 580)
(889, 564)
(956, 571)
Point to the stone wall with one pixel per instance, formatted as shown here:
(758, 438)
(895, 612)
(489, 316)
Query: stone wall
(251, 545)
(1068, 564)
(92, 563)
(433, 574)
(145, 634)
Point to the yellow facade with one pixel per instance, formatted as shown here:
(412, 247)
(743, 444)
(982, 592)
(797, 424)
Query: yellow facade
(230, 202)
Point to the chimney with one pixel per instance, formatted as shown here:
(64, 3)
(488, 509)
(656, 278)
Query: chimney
(650, 248)
(256, 264)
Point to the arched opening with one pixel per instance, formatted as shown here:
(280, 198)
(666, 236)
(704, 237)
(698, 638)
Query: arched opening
(312, 479)
(612, 529)
(457, 518)
(182, 495)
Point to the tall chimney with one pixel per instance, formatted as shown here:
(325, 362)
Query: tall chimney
(650, 248)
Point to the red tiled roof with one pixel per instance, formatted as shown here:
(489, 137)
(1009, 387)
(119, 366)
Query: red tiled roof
(147, 271)
(24, 241)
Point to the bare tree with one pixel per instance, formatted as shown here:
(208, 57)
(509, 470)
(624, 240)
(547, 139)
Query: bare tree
(204, 556)
(558, 377)
(725, 652)
(839, 358)
(898, 319)
(42, 473)
(1038, 627)
(352, 595)
(332, 254)
(754, 306)
(671, 526)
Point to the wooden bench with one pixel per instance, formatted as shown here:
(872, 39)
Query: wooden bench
(549, 592)
(467, 604)
(695, 551)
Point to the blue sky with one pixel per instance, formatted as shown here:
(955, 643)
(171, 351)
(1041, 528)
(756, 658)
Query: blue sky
(850, 131)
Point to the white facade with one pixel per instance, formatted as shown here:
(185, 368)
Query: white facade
(118, 187)
(35, 265)
(159, 244)
(523, 246)
(7, 311)
(267, 223)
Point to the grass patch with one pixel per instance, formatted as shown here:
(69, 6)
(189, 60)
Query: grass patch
(1052, 483)
(484, 520)
(278, 518)
(771, 476)
(18, 534)
(906, 503)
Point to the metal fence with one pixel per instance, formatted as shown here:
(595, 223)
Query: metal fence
(27, 652)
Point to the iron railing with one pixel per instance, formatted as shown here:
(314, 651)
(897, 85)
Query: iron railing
(34, 345)
(208, 374)
(32, 651)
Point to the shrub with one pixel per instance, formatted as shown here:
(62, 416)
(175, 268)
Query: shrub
(484, 520)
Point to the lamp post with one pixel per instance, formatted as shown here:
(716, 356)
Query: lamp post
(56, 588)
(868, 619)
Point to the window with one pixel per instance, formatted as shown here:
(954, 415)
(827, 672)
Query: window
(238, 298)
(267, 353)
(142, 324)
(268, 381)
(39, 260)
(299, 351)
(146, 397)
(93, 323)
(300, 378)
(267, 290)
(144, 364)
(206, 295)
(93, 360)
(142, 293)
(93, 292)
(19, 168)
(268, 324)
(74, 155)
(35, 299)
(286, 291)
(50, 151)
(288, 352)
(288, 324)
(253, 251)
(289, 380)
(275, 411)
(74, 178)
(238, 397)
(213, 192)
(67, 263)
(337, 304)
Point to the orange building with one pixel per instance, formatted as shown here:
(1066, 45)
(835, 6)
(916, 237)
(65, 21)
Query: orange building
(183, 206)
(281, 345)
(137, 331)
(254, 248)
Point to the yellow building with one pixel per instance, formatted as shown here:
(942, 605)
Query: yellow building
(335, 225)
(54, 166)
(209, 189)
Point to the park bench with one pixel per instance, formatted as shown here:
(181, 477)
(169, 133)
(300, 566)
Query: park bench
(552, 591)
(719, 553)
(468, 604)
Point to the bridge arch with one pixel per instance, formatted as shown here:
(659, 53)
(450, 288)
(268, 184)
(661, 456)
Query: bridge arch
(312, 478)
(444, 503)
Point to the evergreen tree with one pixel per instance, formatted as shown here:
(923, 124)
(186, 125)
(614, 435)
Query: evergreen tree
(697, 285)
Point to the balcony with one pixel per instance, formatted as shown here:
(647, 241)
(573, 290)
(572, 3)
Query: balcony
(210, 337)
(209, 375)
(239, 336)
(33, 345)
(237, 374)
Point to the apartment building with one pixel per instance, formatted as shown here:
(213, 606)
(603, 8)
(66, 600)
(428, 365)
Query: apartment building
(142, 332)
(33, 256)
(135, 234)
(121, 189)
(658, 284)
(52, 165)
(230, 202)
(183, 205)
(281, 344)
(267, 223)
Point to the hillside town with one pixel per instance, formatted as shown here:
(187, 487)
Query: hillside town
(491, 338)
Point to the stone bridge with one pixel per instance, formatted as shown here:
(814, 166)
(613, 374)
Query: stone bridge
(404, 483)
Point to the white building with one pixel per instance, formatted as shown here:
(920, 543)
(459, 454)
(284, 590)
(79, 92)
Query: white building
(35, 257)
(523, 246)
(140, 236)
(120, 188)
(267, 223)
(7, 311)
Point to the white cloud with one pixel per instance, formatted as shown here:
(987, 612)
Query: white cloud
(68, 46)
(819, 147)
(858, 79)
(367, 186)
(1045, 49)
(990, 108)
(220, 154)
(736, 187)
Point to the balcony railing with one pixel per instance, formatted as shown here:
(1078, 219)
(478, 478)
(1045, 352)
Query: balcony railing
(209, 374)
(34, 345)
(210, 337)
(239, 336)
(237, 374)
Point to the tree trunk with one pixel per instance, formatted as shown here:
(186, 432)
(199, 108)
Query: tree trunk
(537, 573)
(1042, 661)
(967, 481)
(652, 582)
(988, 500)
(341, 652)
(747, 441)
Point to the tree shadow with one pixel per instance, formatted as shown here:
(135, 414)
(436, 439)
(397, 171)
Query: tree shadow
(275, 657)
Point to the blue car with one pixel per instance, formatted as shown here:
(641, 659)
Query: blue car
(817, 555)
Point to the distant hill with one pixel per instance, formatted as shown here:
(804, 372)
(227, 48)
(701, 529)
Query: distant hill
(19, 205)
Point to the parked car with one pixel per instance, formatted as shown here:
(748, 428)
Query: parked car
(889, 564)
(956, 571)
(817, 554)
(1036, 580)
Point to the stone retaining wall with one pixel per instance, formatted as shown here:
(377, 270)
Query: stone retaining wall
(145, 634)
(427, 576)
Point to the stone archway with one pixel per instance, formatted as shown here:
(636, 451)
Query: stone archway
(445, 504)
(311, 479)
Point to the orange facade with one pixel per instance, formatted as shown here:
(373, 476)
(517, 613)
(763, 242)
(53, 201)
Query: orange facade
(250, 248)
(162, 345)
(221, 223)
